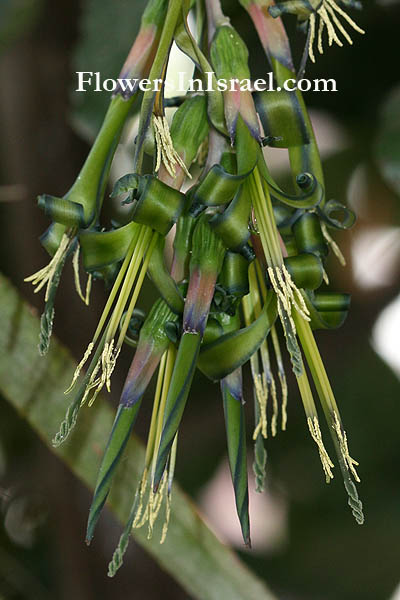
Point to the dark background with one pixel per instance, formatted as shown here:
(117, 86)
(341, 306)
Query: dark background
(44, 131)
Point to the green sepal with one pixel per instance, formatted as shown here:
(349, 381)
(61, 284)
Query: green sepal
(189, 127)
(208, 251)
(102, 248)
(229, 54)
(119, 436)
(232, 350)
(281, 116)
(162, 279)
(235, 424)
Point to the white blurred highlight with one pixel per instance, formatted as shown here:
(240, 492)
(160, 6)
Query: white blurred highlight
(375, 256)
(386, 336)
(268, 514)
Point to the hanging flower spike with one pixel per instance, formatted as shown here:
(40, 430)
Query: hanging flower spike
(326, 11)
(248, 259)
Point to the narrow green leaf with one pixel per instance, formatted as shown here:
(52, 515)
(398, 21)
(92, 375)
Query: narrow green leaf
(207, 569)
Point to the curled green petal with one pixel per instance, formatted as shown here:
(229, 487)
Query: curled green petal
(62, 211)
(232, 224)
(308, 235)
(328, 310)
(157, 205)
(306, 270)
(102, 248)
(280, 114)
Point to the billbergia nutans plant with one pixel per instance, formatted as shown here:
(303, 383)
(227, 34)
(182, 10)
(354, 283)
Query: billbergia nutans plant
(247, 281)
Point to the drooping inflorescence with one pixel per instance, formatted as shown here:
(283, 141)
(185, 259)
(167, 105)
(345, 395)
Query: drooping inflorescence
(248, 272)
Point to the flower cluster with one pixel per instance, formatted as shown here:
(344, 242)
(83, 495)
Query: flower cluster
(247, 276)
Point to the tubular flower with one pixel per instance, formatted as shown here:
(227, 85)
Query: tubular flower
(248, 260)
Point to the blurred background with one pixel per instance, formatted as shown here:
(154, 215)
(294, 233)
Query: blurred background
(306, 544)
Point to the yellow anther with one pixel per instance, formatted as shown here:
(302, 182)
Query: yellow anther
(274, 418)
(261, 390)
(288, 294)
(105, 365)
(316, 435)
(80, 367)
(284, 392)
(155, 502)
(327, 14)
(167, 519)
(46, 275)
(166, 152)
(141, 515)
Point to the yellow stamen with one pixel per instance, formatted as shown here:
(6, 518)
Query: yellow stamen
(80, 367)
(166, 152)
(282, 377)
(75, 263)
(261, 391)
(274, 418)
(46, 275)
(288, 295)
(141, 515)
(155, 502)
(316, 435)
(167, 518)
(331, 242)
(312, 37)
(327, 14)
